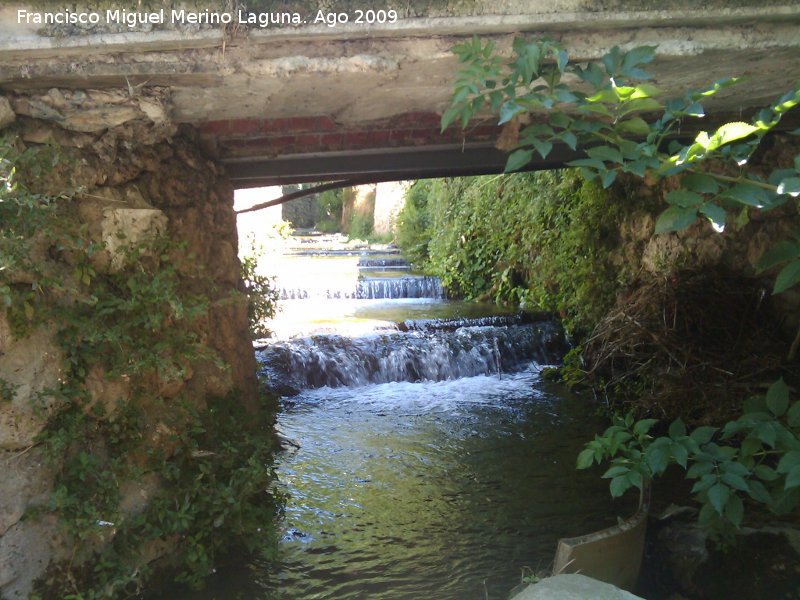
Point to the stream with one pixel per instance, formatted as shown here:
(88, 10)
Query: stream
(433, 460)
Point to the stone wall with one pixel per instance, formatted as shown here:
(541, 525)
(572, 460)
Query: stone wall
(642, 255)
(137, 177)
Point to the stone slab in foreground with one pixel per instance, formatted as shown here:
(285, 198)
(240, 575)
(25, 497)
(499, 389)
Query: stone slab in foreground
(573, 587)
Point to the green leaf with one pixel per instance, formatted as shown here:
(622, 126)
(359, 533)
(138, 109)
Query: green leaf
(765, 472)
(748, 194)
(518, 159)
(716, 214)
(779, 253)
(699, 469)
(634, 126)
(508, 111)
(675, 218)
(730, 132)
(694, 110)
(615, 471)
(450, 115)
(619, 485)
(791, 186)
(643, 426)
(735, 481)
(640, 105)
(569, 139)
(543, 147)
(766, 433)
(592, 74)
(793, 416)
(759, 492)
(585, 458)
(703, 435)
(718, 85)
(640, 55)
(789, 461)
(562, 60)
(593, 163)
(684, 199)
(605, 153)
(792, 478)
(706, 481)
(634, 478)
(677, 429)
(787, 278)
(734, 510)
(778, 397)
(608, 178)
(718, 496)
(657, 459)
(700, 182)
(681, 454)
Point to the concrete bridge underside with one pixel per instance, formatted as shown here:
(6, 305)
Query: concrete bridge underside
(310, 103)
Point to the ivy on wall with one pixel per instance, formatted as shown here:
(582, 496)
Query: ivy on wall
(134, 328)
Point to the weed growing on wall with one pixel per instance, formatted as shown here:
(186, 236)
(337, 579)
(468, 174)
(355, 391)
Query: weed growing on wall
(200, 473)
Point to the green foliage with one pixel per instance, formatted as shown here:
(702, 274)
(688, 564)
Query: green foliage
(222, 475)
(330, 205)
(136, 325)
(754, 459)
(542, 239)
(625, 125)
(414, 223)
(261, 294)
(360, 226)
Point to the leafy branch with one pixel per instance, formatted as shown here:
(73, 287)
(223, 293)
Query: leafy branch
(754, 459)
(625, 125)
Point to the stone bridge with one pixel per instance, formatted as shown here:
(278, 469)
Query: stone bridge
(289, 103)
(162, 116)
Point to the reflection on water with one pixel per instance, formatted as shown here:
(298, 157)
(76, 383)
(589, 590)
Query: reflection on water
(404, 486)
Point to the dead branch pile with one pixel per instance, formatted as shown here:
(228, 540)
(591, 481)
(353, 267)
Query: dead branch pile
(693, 344)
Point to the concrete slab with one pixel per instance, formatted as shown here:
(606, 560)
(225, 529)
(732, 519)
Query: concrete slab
(573, 587)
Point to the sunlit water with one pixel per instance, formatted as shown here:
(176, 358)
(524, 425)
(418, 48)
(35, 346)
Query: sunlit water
(432, 463)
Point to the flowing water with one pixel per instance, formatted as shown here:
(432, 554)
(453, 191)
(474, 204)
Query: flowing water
(433, 461)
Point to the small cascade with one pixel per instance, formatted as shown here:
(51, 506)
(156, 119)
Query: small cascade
(392, 261)
(335, 360)
(378, 288)
(368, 288)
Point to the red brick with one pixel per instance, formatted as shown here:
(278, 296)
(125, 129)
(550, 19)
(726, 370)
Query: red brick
(302, 124)
(400, 135)
(325, 123)
(415, 119)
(332, 141)
(379, 137)
(244, 126)
(215, 127)
(275, 126)
(356, 139)
(308, 141)
(280, 142)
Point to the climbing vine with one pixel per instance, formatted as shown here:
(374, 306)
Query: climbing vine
(128, 327)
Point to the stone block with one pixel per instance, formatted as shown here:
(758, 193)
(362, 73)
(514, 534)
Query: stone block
(25, 552)
(125, 228)
(573, 587)
(26, 480)
(28, 367)
(7, 115)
